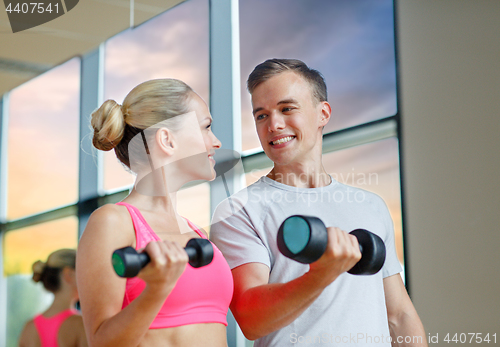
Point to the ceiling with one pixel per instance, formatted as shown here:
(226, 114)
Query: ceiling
(26, 54)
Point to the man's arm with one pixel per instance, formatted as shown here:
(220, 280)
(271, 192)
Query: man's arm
(261, 308)
(404, 322)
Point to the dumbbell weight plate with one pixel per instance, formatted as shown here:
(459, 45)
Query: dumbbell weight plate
(301, 238)
(200, 252)
(373, 256)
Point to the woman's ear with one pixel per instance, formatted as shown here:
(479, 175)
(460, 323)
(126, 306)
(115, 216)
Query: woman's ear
(165, 140)
(68, 275)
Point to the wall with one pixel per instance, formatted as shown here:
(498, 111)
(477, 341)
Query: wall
(449, 65)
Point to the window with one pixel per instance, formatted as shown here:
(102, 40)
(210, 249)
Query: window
(43, 142)
(350, 42)
(171, 45)
(42, 166)
(373, 167)
(22, 247)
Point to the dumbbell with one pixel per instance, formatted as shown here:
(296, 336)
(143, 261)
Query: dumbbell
(127, 262)
(304, 239)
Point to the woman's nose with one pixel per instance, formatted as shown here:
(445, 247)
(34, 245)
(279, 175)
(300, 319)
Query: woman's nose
(215, 142)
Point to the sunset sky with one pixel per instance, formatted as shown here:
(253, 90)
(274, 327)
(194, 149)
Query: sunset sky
(350, 42)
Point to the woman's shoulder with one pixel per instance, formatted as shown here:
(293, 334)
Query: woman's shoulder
(30, 324)
(110, 215)
(29, 335)
(113, 219)
(72, 331)
(74, 321)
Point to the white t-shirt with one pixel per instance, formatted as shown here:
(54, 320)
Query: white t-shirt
(351, 311)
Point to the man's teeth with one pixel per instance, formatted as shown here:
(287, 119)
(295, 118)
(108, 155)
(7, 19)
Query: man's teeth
(282, 140)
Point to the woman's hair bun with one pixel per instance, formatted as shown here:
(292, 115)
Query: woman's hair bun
(38, 268)
(109, 124)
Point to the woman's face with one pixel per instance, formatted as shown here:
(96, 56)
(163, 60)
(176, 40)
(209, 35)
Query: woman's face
(183, 155)
(197, 141)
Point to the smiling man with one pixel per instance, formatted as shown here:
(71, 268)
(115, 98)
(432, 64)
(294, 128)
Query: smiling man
(280, 302)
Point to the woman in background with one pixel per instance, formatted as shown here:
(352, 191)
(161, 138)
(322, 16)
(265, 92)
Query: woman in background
(60, 325)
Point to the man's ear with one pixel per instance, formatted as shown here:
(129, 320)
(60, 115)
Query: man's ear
(165, 140)
(326, 112)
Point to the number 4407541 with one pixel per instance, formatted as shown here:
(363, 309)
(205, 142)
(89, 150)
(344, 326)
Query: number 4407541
(470, 338)
(36, 7)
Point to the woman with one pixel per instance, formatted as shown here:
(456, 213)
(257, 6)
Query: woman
(162, 133)
(60, 325)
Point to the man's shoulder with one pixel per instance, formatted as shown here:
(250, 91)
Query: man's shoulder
(244, 203)
(368, 195)
(242, 197)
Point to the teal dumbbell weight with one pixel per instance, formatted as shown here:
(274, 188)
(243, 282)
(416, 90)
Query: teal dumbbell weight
(304, 239)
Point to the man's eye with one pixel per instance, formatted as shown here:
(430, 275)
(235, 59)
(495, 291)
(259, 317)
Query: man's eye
(260, 116)
(286, 109)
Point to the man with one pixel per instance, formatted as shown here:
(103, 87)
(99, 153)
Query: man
(280, 302)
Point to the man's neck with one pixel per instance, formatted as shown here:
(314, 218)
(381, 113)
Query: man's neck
(300, 178)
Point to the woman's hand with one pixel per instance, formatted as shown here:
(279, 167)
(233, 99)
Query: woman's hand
(168, 262)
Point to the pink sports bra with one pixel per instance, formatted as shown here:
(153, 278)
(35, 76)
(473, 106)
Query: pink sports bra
(48, 328)
(201, 295)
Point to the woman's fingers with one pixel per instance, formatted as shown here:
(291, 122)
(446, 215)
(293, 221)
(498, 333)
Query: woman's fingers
(168, 261)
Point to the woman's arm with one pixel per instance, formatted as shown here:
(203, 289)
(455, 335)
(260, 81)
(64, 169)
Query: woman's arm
(29, 335)
(101, 291)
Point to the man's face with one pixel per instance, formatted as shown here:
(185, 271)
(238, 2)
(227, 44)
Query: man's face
(289, 119)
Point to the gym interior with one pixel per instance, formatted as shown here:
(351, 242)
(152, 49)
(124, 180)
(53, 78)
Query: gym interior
(414, 87)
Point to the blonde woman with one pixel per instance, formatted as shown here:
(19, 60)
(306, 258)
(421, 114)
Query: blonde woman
(60, 325)
(162, 133)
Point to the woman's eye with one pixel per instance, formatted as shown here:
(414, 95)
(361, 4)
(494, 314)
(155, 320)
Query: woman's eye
(208, 126)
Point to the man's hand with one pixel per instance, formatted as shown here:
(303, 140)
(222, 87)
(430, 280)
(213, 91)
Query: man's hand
(341, 254)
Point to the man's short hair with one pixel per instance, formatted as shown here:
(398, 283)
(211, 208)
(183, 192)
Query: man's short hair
(273, 67)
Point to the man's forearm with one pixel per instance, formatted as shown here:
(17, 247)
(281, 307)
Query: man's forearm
(408, 331)
(264, 309)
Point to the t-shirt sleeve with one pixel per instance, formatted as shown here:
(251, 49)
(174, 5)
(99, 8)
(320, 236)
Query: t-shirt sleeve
(392, 265)
(236, 237)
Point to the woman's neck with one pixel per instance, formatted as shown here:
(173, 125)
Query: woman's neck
(64, 299)
(159, 204)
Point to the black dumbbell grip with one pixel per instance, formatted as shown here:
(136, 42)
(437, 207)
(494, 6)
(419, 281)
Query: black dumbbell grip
(144, 259)
(191, 252)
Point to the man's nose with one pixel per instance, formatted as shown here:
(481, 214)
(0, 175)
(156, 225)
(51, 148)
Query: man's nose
(276, 122)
